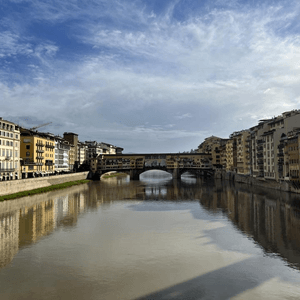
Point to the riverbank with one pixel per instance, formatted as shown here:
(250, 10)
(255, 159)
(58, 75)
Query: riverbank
(43, 190)
(283, 186)
(22, 185)
(111, 175)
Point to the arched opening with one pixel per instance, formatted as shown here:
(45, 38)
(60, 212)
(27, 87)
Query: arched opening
(155, 175)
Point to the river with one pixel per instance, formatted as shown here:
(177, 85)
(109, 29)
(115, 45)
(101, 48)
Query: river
(156, 238)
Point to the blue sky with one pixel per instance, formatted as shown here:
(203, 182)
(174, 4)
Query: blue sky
(149, 76)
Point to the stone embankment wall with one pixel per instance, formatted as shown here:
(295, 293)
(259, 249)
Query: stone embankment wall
(15, 186)
(271, 184)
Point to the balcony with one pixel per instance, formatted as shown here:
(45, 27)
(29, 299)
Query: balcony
(260, 148)
(7, 170)
(40, 144)
(8, 157)
(50, 146)
(259, 155)
(40, 151)
(39, 157)
(280, 154)
(259, 142)
(27, 162)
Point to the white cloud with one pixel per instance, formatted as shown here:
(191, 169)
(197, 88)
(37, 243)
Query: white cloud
(229, 65)
(184, 116)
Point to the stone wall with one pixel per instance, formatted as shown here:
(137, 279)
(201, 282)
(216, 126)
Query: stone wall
(252, 181)
(20, 185)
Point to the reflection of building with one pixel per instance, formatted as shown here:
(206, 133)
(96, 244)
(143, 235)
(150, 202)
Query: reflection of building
(9, 237)
(36, 222)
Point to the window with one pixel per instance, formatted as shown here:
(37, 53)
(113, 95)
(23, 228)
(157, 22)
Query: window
(27, 153)
(16, 153)
(17, 136)
(27, 147)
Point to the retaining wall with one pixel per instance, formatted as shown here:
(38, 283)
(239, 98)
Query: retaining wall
(20, 185)
(271, 184)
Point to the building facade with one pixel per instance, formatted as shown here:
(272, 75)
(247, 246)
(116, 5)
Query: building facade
(9, 150)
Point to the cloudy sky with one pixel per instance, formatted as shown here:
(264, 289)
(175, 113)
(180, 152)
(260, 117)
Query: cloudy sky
(149, 76)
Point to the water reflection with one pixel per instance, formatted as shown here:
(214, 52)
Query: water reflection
(270, 218)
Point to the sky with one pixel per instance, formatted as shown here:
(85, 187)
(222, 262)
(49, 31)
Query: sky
(149, 76)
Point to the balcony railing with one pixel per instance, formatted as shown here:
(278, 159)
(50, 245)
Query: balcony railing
(40, 151)
(7, 170)
(39, 157)
(259, 142)
(40, 144)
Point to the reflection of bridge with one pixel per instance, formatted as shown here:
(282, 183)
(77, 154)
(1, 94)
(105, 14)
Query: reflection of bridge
(135, 164)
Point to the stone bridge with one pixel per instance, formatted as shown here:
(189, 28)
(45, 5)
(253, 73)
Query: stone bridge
(135, 164)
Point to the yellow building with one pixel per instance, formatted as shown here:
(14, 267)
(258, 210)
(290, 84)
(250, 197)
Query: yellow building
(72, 157)
(230, 151)
(37, 153)
(241, 139)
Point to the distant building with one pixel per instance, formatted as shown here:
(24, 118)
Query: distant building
(9, 150)
(72, 138)
(62, 149)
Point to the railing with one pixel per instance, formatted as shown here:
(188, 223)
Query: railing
(39, 157)
(260, 142)
(40, 151)
(40, 144)
(7, 170)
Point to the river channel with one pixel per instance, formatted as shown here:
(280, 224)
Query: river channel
(156, 238)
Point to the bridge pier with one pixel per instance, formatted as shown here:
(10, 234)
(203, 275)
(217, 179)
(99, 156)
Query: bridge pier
(176, 173)
(134, 174)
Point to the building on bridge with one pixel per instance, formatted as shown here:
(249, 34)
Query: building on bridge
(135, 164)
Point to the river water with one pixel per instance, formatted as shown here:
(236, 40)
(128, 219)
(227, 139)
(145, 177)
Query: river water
(156, 238)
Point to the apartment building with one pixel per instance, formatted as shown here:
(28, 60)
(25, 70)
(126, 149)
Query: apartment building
(37, 151)
(9, 150)
(207, 145)
(72, 158)
(62, 149)
(230, 149)
(72, 138)
(93, 150)
(82, 153)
